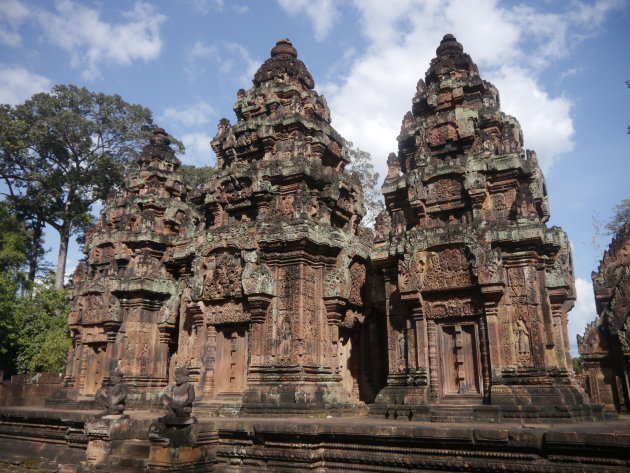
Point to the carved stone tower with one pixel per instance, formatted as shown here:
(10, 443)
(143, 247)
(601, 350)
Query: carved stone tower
(604, 348)
(477, 287)
(125, 298)
(268, 318)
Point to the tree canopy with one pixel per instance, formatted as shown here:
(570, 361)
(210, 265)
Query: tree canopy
(362, 169)
(65, 149)
(620, 218)
(34, 333)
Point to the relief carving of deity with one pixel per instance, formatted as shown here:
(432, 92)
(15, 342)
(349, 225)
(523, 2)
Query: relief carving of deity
(223, 279)
(357, 281)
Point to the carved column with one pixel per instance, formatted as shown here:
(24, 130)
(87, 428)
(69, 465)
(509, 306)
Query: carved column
(485, 357)
(434, 380)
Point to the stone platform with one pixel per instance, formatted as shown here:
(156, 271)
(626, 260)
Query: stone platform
(69, 441)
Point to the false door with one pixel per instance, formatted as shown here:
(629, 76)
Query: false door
(460, 367)
(231, 365)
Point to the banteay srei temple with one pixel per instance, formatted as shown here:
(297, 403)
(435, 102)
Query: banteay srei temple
(255, 325)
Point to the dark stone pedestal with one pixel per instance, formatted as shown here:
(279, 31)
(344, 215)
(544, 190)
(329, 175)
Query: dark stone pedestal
(174, 420)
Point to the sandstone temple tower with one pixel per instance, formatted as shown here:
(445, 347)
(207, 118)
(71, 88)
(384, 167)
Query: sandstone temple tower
(256, 283)
(264, 285)
(604, 348)
(126, 298)
(477, 287)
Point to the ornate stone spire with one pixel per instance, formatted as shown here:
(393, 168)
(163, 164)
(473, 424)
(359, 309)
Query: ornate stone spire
(158, 153)
(479, 278)
(284, 65)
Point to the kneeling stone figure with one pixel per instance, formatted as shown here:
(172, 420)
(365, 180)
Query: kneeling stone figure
(112, 398)
(178, 399)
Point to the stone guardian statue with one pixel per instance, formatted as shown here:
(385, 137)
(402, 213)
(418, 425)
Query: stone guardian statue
(112, 398)
(178, 400)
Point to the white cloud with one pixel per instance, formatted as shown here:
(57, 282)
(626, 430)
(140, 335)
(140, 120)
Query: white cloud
(232, 59)
(12, 14)
(18, 84)
(322, 13)
(583, 312)
(204, 6)
(194, 115)
(546, 121)
(511, 44)
(198, 151)
(90, 41)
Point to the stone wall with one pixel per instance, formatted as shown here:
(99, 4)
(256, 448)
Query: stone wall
(29, 389)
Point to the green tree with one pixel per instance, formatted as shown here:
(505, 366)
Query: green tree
(64, 150)
(195, 177)
(362, 169)
(44, 336)
(13, 237)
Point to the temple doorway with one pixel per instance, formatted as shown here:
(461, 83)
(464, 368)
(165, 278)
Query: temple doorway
(231, 365)
(459, 361)
(95, 368)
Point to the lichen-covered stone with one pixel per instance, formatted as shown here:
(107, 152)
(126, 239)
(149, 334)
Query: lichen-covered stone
(233, 287)
(264, 286)
(605, 347)
(477, 287)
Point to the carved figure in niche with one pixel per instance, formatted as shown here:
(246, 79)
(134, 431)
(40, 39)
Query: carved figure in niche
(324, 213)
(498, 202)
(445, 189)
(357, 278)
(296, 104)
(285, 337)
(178, 399)
(302, 201)
(393, 166)
(262, 103)
(400, 351)
(382, 225)
(224, 281)
(112, 398)
(399, 222)
(287, 205)
(522, 340)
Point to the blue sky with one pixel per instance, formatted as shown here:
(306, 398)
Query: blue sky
(560, 67)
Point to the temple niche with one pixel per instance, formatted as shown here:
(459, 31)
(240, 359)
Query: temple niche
(604, 348)
(477, 288)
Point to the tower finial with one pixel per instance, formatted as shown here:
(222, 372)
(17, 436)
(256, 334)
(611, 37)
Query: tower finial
(448, 45)
(284, 47)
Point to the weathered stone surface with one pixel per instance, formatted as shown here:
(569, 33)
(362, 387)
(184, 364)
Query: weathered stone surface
(257, 283)
(263, 286)
(604, 348)
(126, 298)
(477, 288)
(331, 445)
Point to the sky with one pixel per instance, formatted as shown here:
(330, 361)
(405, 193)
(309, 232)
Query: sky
(560, 66)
